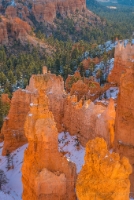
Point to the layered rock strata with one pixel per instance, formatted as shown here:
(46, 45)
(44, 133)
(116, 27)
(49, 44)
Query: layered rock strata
(46, 174)
(104, 175)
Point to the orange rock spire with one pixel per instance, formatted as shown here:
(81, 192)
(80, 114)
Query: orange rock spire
(104, 175)
(46, 174)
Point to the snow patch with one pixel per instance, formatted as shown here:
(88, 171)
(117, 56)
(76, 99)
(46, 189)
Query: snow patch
(74, 151)
(13, 189)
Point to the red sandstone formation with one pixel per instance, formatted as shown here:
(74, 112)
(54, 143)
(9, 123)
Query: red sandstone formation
(104, 175)
(83, 120)
(80, 89)
(45, 10)
(13, 127)
(15, 28)
(124, 125)
(53, 86)
(46, 174)
(86, 62)
(79, 118)
(123, 59)
(105, 124)
(83, 87)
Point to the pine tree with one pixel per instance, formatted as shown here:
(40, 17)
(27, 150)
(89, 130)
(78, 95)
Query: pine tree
(3, 179)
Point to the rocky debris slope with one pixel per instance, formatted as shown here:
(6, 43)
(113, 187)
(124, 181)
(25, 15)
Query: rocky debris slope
(46, 174)
(124, 122)
(104, 175)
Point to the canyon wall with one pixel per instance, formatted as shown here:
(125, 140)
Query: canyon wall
(124, 123)
(124, 56)
(104, 175)
(42, 10)
(46, 173)
(15, 28)
(47, 10)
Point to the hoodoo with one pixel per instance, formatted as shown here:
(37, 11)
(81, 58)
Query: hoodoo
(104, 175)
(124, 122)
(13, 127)
(46, 174)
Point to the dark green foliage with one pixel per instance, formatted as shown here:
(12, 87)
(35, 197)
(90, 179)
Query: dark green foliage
(119, 21)
(4, 108)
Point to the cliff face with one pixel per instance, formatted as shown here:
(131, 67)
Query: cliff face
(42, 10)
(123, 59)
(84, 120)
(13, 127)
(15, 28)
(105, 124)
(47, 10)
(104, 175)
(124, 125)
(46, 174)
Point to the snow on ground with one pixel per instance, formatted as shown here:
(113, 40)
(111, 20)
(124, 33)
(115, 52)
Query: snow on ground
(112, 92)
(75, 152)
(14, 185)
(4, 196)
(104, 67)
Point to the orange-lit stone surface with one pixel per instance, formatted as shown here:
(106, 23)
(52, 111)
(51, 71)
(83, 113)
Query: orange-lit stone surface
(104, 175)
(46, 173)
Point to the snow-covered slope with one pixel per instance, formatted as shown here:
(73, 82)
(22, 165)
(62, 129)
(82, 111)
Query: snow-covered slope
(75, 152)
(13, 189)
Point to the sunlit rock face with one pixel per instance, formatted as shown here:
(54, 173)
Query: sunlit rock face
(105, 124)
(46, 174)
(124, 56)
(13, 127)
(53, 86)
(124, 123)
(104, 175)
(87, 120)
